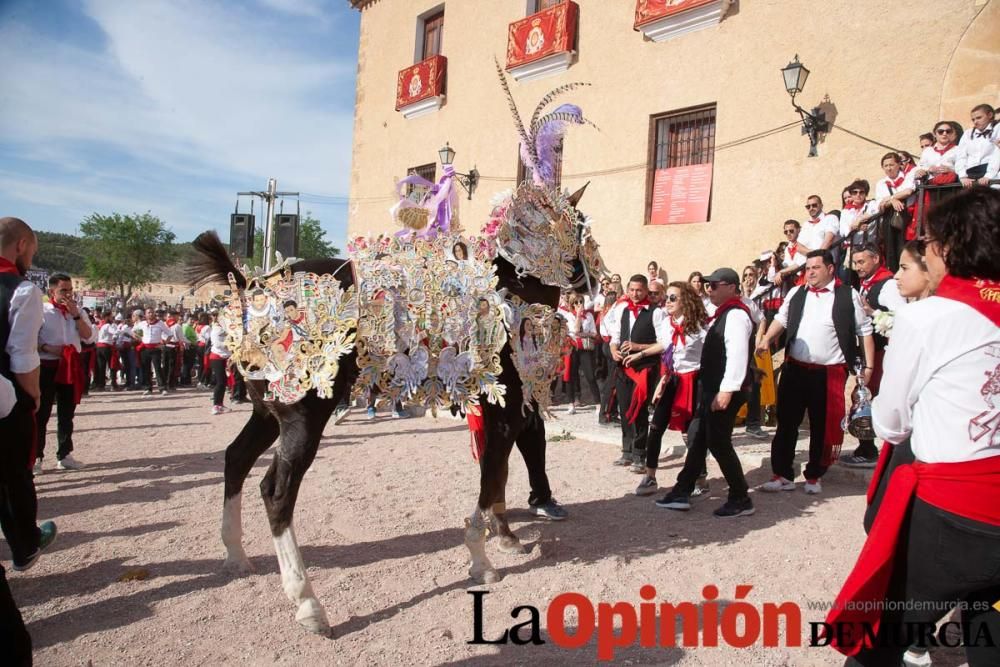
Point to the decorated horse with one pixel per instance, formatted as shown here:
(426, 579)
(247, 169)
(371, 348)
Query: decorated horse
(427, 316)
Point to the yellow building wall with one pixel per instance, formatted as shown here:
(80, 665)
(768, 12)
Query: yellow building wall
(888, 69)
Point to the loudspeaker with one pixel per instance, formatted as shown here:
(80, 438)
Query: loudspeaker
(286, 234)
(241, 233)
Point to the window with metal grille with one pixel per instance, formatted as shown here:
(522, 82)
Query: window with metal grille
(428, 171)
(524, 171)
(545, 4)
(679, 139)
(433, 31)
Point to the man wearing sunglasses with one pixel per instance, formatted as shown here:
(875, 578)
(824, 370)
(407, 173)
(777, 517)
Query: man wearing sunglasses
(820, 229)
(725, 380)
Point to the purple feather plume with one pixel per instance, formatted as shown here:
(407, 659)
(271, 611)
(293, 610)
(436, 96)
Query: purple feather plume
(549, 136)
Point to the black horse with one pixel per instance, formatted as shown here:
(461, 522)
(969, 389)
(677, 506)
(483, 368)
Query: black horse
(301, 425)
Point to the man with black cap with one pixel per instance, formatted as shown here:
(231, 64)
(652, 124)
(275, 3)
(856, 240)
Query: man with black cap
(725, 379)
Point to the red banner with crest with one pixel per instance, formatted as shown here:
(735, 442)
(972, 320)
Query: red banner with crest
(647, 11)
(542, 34)
(420, 81)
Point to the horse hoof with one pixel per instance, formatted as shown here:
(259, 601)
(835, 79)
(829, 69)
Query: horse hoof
(511, 545)
(312, 617)
(486, 576)
(238, 566)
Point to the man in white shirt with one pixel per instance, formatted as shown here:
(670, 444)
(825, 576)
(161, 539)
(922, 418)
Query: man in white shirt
(20, 321)
(107, 334)
(153, 334)
(64, 328)
(725, 380)
(639, 326)
(824, 321)
(820, 229)
(977, 147)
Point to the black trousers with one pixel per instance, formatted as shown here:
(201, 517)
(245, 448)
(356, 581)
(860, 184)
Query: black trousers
(609, 404)
(661, 419)
(205, 369)
(102, 367)
(714, 433)
(800, 390)
(151, 361)
(18, 502)
(219, 374)
(753, 402)
(946, 559)
(187, 369)
(634, 435)
(169, 362)
(14, 636)
(583, 362)
(60, 395)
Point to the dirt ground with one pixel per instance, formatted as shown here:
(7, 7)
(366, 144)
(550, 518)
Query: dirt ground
(379, 520)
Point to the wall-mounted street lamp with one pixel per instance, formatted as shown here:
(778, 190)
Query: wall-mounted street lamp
(468, 181)
(813, 122)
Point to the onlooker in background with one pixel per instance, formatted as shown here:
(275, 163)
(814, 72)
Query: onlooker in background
(152, 333)
(855, 221)
(204, 347)
(977, 146)
(190, 353)
(677, 391)
(123, 351)
(218, 358)
(754, 420)
(138, 377)
(107, 333)
(88, 357)
(926, 141)
(64, 327)
(820, 229)
(938, 161)
(895, 191)
(173, 349)
(584, 337)
(656, 293)
(20, 321)
(824, 322)
(608, 410)
(697, 282)
(655, 272)
(907, 162)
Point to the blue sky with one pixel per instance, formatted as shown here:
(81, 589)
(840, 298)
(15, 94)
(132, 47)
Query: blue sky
(172, 106)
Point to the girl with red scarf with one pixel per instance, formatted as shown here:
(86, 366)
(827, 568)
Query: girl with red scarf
(676, 391)
(934, 502)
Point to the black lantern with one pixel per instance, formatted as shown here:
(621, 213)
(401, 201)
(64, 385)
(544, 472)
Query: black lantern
(468, 181)
(813, 122)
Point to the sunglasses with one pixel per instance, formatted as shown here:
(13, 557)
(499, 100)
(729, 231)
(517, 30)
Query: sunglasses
(672, 298)
(655, 293)
(856, 192)
(809, 206)
(789, 232)
(944, 130)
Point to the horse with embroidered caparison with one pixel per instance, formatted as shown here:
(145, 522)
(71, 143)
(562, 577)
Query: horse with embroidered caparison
(543, 246)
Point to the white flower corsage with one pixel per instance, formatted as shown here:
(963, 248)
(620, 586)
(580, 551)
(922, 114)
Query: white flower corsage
(883, 322)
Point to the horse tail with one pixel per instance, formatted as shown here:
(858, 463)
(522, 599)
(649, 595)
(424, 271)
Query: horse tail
(211, 263)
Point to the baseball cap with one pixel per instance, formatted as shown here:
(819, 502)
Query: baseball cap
(119, 317)
(723, 275)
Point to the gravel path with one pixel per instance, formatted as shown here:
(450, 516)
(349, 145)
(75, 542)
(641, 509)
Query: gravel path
(135, 577)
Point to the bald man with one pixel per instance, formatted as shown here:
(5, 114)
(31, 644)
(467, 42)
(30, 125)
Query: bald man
(20, 321)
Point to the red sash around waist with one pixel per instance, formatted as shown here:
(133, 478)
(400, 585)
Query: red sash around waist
(970, 489)
(682, 410)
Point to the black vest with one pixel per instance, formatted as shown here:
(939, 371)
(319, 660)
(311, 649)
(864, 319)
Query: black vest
(642, 331)
(8, 285)
(843, 320)
(713, 354)
(872, 297)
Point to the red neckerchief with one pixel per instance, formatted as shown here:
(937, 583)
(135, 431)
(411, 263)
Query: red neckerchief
(171, 322)
(735, 302)
(942, 151)
(895, 183)
(62, 309)
(815, 221)
(826, 288)
(851, 206)
(981, 295)
(792, 249)
(678, 334)
(7, 266)
(908, 168)
(636, 308)
(881, 273)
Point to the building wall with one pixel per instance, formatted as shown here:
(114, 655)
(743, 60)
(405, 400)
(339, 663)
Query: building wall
(882, 65)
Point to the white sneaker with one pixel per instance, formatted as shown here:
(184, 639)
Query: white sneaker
(916, 658)
(219, 409)
(778, 483)
(571, 410)
(813, 486)
(38, 467)
(69, 463)
(163, 392)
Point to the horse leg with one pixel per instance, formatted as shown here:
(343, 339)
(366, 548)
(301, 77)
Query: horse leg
(257, 435)
(301, 429)
(508, 541)
(492, 478)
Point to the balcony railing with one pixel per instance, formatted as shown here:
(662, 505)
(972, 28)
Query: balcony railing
(420, 87)
(543, 43)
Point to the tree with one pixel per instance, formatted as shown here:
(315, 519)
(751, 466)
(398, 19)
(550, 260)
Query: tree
(125, 252)
(59, 252)
(312, 242)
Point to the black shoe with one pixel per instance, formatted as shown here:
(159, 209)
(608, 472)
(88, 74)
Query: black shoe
(675, 501)
(733, 508)
(550, 510)
(47, 536)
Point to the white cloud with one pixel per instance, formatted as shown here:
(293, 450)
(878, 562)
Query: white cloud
(309, 8)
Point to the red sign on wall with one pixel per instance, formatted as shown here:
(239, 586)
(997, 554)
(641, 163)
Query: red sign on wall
(647, 11)
(420, 81)
(681, 194)
(542, 34)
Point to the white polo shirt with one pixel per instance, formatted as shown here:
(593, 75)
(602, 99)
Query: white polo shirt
(813, 233)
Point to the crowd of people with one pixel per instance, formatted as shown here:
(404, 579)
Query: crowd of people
(906, 305)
